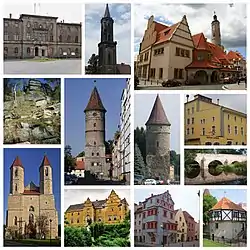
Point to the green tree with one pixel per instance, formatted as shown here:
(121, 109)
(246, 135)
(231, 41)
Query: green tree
(140, 139)
(69, 161)
(109, 146)
(81, 154)
(77, 237)
(92, 67)
(139, 165)
(208, 202)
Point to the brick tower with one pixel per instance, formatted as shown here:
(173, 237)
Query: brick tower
(158, 142)
(107, 46)
(95, 160)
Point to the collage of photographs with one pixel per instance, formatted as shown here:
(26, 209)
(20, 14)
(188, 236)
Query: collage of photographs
(124, 124)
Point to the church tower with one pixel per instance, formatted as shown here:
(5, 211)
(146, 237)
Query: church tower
(158, 142)
(107, 46)
(16, 177)
(95, 159)
(45, 177)
(216, 37)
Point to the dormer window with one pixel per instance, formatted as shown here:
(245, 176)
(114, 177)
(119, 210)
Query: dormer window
(166, 32)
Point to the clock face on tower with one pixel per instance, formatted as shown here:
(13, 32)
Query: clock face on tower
(94, 114)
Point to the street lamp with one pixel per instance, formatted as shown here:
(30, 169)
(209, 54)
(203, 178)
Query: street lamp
(50, 231)
(162, 227)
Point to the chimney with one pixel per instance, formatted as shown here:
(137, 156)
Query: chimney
(187, 96)
(63, 21)
(218, 101)
(152, 195)
(10, 15)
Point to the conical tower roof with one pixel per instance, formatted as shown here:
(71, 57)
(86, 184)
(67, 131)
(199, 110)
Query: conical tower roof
(95, 102)
(158, 115)
(206, 192)
(107, 13)
(45, 161)
(226, 204)
(17, 163)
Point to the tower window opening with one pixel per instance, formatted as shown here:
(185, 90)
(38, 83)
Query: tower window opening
(15, 187)
(46, 172)
(157, 143)
(94, 125)
(16, 172)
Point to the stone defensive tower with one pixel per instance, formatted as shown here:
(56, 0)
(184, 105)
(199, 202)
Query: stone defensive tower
(95, 159)
(107, 46)
(216, 36)
(158, 142)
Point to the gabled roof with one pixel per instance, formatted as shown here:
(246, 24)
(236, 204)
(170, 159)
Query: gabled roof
(95, 102)
(45, 162)
(187, 216)
(226, 204)
(99, 204)
(17, 163)
(158, 116)
(234, 55)
(200, 42)
(165, 34)
(160, 26)
(76, 207)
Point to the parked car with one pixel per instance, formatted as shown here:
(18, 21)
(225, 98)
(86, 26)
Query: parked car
(150, 182)
(138, 179)
(171, 83)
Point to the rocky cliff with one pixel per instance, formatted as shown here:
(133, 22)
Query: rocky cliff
(34, 117)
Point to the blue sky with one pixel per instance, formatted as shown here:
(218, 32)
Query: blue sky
(171, 105)
(77, 94)
(185, 198)
(31, 160)
(232, 19)
(235, 195)
(121, 13)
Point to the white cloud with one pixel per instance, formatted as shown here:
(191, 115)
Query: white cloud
(77, 196)
(122, 30)
(199, 17)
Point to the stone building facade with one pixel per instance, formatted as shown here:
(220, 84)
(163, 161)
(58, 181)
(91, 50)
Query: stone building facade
(32, 36)
(95, 157)
(27, 205)
(158, 142)
(109, 211)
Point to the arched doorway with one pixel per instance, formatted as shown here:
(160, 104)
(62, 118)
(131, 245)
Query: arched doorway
(36, 51)
(192, 169)
(214, 77)
(208, 143)
(216, 143)
(212, 168)
(201, 76)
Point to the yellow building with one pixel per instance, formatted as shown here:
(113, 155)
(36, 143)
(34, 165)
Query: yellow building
(182, 228)
(109, 211)
(209, 123)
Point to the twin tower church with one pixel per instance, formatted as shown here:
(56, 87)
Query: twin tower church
(31, 209)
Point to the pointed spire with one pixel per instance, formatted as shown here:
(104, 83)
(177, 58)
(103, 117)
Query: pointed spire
(107, 13)
(45, 161)
(17, 163)
(95, 102)
(158, 115)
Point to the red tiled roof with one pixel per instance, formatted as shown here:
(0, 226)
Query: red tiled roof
(31, 192)
(202, 65)
(165, 34)
(45, 161)
(218, 53)
(17, 163)
(80, 165)
(200, 42)
(225, 203)
(95, 102)
(234, 55)
(160, 26)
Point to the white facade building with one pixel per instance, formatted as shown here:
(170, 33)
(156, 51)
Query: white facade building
(125, 131)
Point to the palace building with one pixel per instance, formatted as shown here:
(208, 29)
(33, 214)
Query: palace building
(31, 36)
(109, 211)
(31, 206)
(172, 52)
(210, 123)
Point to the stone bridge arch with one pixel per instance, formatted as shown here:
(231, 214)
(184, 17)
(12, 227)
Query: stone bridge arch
(208, 164)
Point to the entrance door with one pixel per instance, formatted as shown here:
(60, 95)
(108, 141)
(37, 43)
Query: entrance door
(43, 52)
(212, 237)
(36, 51)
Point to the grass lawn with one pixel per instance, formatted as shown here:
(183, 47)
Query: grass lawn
(210, 243)
(36, 242)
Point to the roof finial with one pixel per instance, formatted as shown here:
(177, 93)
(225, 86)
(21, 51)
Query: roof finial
(94, 83)
(214, 13)
(107, 14)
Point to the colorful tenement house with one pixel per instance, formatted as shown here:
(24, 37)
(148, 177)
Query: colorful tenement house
(155, 217)
(31, 205)
(172, 52)
(107, 56)
(210, 123)
(158, 142)
(109, 211)
(228, 221)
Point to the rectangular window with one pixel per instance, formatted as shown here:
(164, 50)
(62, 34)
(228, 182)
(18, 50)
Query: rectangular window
(188, 121)
(213, 130)
(213, 118)
(160, 73)
(235, 118)
(180, 73)
(192, 131)
(192, 120)
(182, 52)
(216, 225)
(188, 131)
(203, 131)
(192, 110)
(236, 130)
(188, 111)
(177, 52)
(175, 73)
(242, 131)
(229, 129)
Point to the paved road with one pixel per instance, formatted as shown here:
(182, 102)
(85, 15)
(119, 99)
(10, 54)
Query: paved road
(179, 244)
(148, 86)
(82, 181)
(71, 66)
(12, 243)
